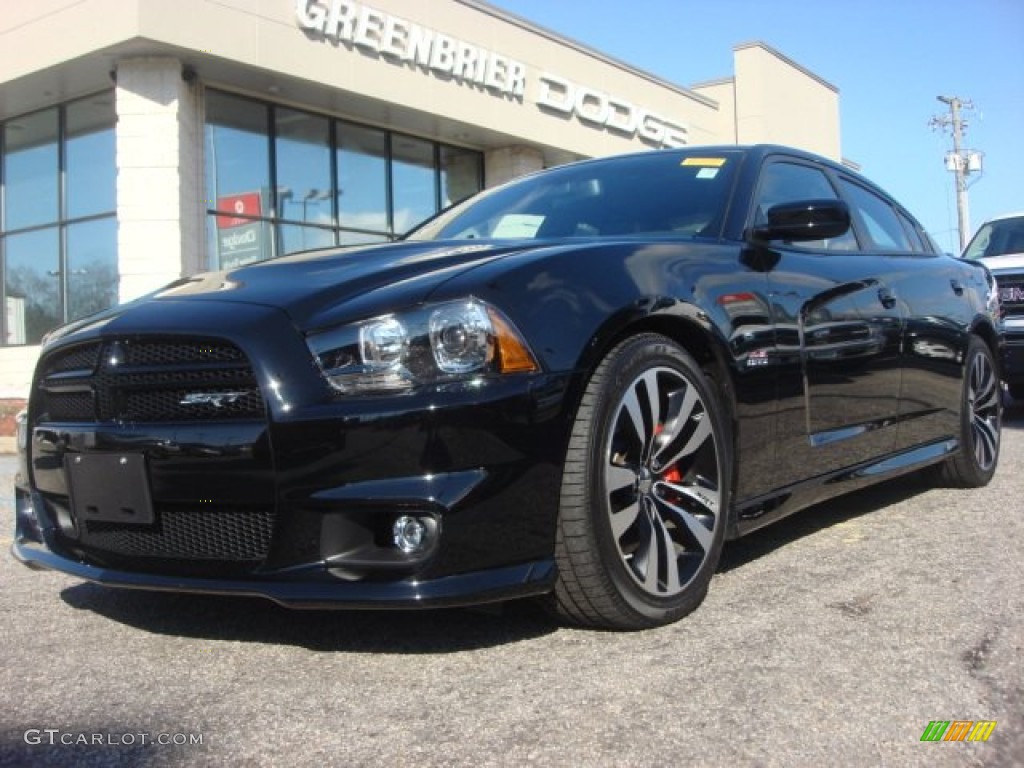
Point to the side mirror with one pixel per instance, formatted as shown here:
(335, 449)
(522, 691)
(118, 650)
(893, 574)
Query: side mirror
(804, 220)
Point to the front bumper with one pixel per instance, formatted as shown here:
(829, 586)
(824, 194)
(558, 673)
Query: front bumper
(1013, 351)
(491, 585)
(297, 504)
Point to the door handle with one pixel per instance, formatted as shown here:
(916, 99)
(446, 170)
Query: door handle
(958, 287)
(887, 297)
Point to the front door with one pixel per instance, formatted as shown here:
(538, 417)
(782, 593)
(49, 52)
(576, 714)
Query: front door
(839, 328)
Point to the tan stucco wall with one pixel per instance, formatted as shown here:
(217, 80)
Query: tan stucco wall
(38, 35)
(723, 93)
(346, 67)
(779, 102)
(259, 46)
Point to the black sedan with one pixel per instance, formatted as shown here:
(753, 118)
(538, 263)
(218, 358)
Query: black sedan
(576, 385)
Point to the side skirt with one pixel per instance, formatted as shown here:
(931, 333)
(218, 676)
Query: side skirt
(756, 513)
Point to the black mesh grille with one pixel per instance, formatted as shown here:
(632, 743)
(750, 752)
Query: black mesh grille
(81, 358)
(190, 534)
(150, 353)
(71, 406)
(149, 379)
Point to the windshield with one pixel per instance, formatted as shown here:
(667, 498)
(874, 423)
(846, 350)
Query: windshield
(660, 193)
(997, 238)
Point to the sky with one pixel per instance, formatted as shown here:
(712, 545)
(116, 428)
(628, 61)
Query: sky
(890, 60)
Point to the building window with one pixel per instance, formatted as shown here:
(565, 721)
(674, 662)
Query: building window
(362, 161)
(302, 161)
(414, 182)
(58, 225)
(281, 180)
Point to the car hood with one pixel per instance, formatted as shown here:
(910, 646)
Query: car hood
(311, 286)
(318, 289)
(1004, 262)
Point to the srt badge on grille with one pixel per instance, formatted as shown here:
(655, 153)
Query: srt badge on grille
(216, 399)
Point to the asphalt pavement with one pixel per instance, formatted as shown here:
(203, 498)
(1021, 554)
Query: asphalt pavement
(832, 638)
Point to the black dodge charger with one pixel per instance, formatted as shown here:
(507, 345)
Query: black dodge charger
(576, 385)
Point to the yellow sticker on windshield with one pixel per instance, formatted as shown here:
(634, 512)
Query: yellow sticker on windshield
(704, 162)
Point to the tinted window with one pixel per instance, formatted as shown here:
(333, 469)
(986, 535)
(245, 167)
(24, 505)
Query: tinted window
(882, 226)
(783, 182)
(658, 193)
(997, 238)
(913, 233)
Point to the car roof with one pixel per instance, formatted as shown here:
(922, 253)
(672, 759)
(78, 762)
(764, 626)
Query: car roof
(1003, 216)
(757, 152)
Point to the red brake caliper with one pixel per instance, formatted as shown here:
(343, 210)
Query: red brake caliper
(671, 474)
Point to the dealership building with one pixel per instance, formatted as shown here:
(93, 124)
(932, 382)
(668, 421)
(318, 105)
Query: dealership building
(143, 140)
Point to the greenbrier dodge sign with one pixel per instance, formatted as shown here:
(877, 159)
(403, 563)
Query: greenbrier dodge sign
(404, 43)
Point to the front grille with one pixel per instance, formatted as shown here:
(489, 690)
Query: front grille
(149, 380)
(72, 406)
(1011, 294)
(81, 358)
(161, 380)
(188, 533)
(157, 353)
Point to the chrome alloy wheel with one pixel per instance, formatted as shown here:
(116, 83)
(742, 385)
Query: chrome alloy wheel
(983, 399)
(662, 481)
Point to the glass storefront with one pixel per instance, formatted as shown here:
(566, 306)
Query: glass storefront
(58, 226)
(281, 180)
(278, 180)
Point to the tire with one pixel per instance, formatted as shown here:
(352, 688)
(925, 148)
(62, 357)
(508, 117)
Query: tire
(645, 490)
(981, 414)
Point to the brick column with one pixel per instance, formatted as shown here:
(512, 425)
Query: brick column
(159, 174)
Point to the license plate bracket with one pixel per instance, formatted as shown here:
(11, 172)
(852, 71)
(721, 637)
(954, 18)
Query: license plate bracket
(109, 488)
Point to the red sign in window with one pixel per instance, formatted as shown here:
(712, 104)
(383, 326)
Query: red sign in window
(244, 205)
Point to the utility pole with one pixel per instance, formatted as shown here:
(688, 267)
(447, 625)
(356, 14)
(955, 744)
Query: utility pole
(962, 162)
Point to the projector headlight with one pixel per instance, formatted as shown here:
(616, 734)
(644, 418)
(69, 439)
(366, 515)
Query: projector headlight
(432, 344)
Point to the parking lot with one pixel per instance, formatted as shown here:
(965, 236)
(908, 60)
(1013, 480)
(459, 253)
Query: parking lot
(834, 637)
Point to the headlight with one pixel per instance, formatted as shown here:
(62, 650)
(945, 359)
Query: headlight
(432, 344)
(993, 303)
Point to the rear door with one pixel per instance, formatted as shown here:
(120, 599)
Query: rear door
(935, 294)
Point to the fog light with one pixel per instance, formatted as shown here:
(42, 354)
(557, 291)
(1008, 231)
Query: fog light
(27, 520)
(409, 534)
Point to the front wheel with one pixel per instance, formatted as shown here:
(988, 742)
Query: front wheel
(981, 413)
(645, 490)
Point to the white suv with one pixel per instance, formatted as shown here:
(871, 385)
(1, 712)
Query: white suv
(999, 245)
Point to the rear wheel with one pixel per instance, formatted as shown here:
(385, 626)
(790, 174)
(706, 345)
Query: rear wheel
(644, 492)
(980, 421)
